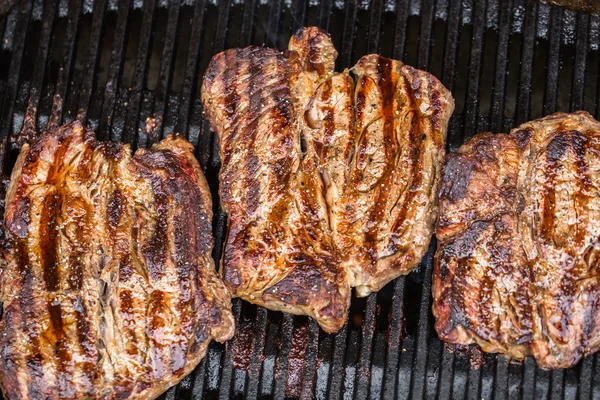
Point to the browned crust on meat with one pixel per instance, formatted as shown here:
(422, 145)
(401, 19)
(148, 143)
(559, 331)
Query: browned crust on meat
(328, 183)
(110, 289)
(516, 268)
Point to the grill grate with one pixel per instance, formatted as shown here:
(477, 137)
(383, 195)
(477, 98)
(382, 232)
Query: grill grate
(114, 63)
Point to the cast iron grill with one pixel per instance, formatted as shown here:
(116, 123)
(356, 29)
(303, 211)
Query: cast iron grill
(115, 63)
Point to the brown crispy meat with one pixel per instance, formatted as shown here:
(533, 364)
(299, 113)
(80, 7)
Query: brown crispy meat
(109, 289)
(517, 269)
(329, 182)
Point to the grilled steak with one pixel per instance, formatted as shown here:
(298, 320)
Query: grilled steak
(517, 268)
(109, 289)
(329, 182)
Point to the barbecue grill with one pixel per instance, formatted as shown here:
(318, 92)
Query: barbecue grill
(131, 70)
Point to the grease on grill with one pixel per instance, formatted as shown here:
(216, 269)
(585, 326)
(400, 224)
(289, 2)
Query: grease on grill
(297, 360)
(241, 351)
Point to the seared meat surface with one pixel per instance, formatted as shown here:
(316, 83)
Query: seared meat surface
(329, 182)
(517, 268)
(109, 288)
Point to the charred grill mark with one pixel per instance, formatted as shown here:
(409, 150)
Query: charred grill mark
(115, 208)
(329, 124)
(589, 321)
(49, 241)
(313, 54)
(30, 324)
(184, 235)
(387, 87)
(256, 100)
(190, 234)
(523, 136)
(456, 177)
(486, 315)
(155, 251)
(351, 107)
(579, 145)
(87, 345)
(360, 155)
(416, 139)
(18, 225)
(231, 99)
(62, 353)
(55, 172)
(436, 104)
(555, 151)
(126, 307)
(11, 321)
(571, 268)
(36, 387)
(360, 104)
(79, 246)
(157, 309)
(386, 83)
(442, 310)
(460, 250)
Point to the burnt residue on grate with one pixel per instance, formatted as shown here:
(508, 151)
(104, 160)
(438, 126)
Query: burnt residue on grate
(131, 69)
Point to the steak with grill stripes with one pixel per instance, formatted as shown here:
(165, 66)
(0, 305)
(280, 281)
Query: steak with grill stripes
(109, 287)
(517, 269)
(329, 181)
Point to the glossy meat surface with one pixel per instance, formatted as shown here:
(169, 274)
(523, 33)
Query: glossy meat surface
(109, 289)
(329, 181)
(517, 268)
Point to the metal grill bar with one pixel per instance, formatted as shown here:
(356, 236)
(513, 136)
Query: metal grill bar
(394, 338)
(497, 107)
(30, 122)
(472, 108)
(287, 328)
(527, 62)
(260, 334)
(364, 364)
(66, 64)
(164, 78)
(13, 78)
(551, 93)
(85, 93)
(374, 26)
(132, 129)
(325, 14)
(427, 10)
(308, 379)
(348, 38)
(580, 62)
(114, 69)
(190, 73)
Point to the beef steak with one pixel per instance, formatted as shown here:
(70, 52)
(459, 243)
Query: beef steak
(329, 182)
(109, 288)
(517, 268)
